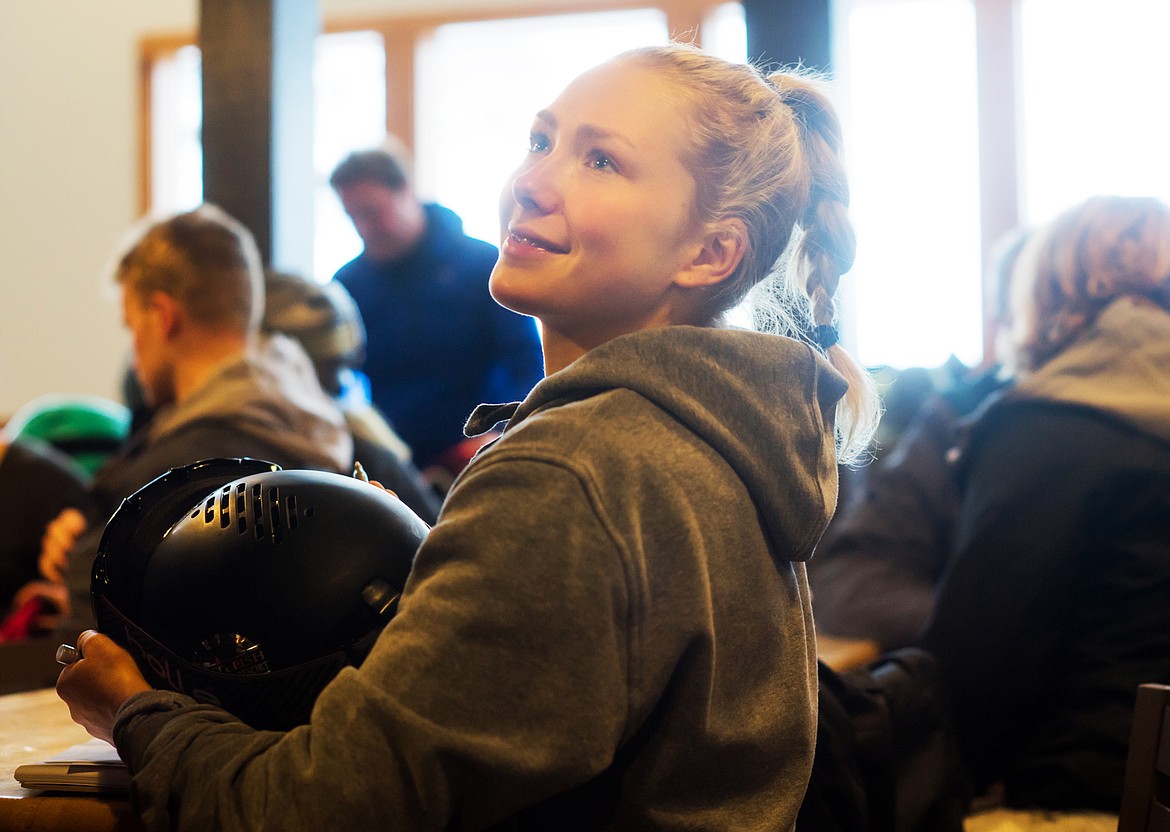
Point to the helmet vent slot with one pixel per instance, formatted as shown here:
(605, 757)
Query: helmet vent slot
(260, 507)
(275, 520)
(263, 509)
(241, 509)
(258, 511)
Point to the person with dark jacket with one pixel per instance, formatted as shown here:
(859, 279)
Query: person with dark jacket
(878, 568)
(437, 344)
(37, 482)
(1057, 604)
(324, 320)
(610, 625)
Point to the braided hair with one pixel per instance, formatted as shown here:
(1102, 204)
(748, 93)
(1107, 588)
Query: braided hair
(766, 149)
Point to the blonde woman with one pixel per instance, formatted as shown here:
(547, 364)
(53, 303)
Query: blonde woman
(609, 626)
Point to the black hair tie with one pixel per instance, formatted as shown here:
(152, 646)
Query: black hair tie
(826, 335)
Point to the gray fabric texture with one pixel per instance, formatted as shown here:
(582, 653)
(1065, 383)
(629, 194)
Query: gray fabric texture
(1117, 365)
(271, 393)
(608, 628)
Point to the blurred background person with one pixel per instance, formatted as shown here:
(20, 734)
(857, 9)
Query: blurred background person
(877, 568)
(37, 483)
(1054, 608)
(438, 344)
(324, 320)
(192, 299)
(49, 450)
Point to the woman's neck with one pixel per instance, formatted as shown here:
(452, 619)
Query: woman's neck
(559, 351)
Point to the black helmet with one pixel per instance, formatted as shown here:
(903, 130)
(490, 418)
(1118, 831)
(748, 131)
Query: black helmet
(250, 587)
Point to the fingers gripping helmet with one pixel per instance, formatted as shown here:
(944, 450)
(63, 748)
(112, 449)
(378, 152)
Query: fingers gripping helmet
(250, 587)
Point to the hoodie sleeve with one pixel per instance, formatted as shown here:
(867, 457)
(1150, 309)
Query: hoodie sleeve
(447, 723)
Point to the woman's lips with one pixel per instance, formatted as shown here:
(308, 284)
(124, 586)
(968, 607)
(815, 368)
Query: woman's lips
(524, 240)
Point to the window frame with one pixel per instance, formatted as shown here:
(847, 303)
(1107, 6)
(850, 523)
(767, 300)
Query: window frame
(403, 35)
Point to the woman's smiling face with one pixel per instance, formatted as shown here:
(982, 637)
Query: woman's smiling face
(599, 219)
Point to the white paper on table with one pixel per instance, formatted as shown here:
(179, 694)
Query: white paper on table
(91, 767)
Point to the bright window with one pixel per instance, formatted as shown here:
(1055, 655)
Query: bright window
(349, 97)
(1094, 112)
(910, 109)
(725, 32)
(176, 108)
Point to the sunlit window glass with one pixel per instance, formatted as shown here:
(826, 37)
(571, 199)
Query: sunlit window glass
(1094, 113)
(481, 83)
(349, 100)
(349, 81)
(913, 297)
(176, 153)
(725, 32)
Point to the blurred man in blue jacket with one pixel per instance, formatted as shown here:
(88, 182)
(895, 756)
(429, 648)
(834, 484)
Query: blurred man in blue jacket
(437, 343)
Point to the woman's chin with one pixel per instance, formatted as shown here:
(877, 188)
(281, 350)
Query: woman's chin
(508, 290)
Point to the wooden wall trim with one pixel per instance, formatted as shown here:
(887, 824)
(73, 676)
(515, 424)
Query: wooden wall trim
(401, 35)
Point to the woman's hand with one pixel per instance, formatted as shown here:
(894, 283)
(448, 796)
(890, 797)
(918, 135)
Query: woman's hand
(60, 535)
(96, 685)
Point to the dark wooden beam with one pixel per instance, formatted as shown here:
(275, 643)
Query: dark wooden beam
(789, 32)
(258, 120)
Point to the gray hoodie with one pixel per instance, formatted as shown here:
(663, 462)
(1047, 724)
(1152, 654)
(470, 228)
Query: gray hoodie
(1120, 365)
(266, 404)
(608, 628)
(273, 394)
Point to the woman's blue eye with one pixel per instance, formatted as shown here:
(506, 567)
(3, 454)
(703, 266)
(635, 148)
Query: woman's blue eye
(537, 143)
(600, 161)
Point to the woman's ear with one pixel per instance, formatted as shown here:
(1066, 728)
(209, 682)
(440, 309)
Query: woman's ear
(721, 250)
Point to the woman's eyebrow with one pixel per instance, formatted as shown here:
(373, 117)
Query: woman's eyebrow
(586, 131)
(592, 131)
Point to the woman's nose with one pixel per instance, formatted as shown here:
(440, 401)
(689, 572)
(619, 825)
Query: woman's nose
(533, 187)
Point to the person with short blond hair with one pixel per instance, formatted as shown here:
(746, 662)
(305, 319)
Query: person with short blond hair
(207, 261)
(192, 292)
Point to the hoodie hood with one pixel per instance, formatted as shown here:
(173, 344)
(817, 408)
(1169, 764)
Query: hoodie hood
(272, 391)
(1119, 365)
(765, 403)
